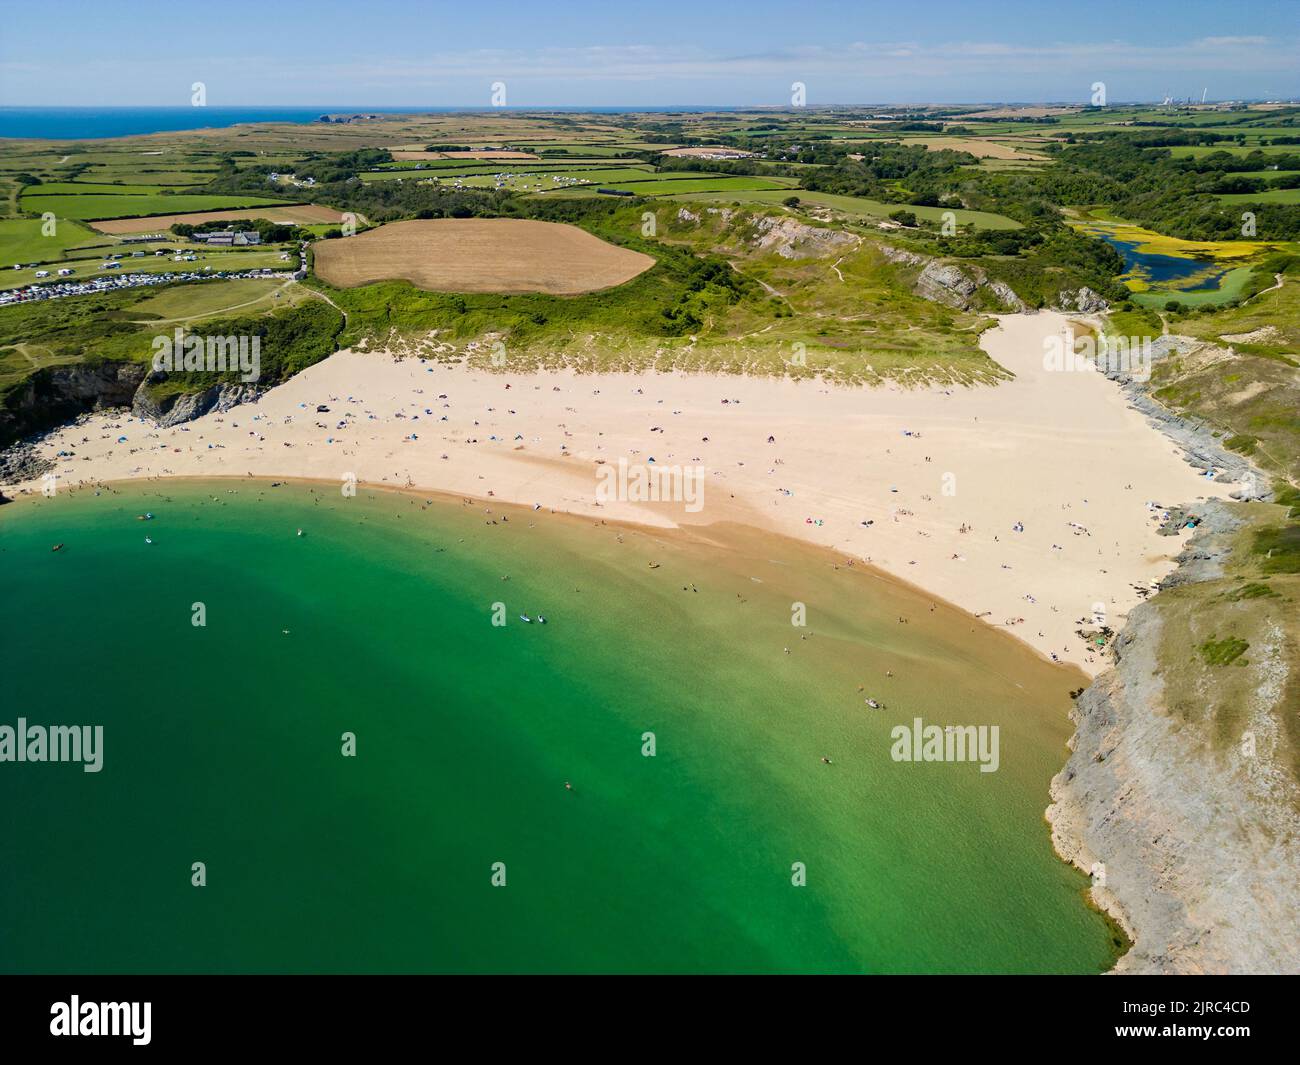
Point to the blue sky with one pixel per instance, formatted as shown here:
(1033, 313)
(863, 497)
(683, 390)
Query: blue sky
(581, 53)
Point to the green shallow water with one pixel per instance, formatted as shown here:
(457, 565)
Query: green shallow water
(222, 745)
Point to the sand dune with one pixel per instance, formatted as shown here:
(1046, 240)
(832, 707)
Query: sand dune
(1058, 452)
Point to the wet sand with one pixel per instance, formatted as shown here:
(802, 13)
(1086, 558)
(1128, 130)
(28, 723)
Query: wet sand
(1033, 505)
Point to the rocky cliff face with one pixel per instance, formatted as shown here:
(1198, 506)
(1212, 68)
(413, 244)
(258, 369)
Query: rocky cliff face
(1200, 443)
(967, 287)
(792, 239)
(176, 408)
(1193, 848)
(1193, 845)
(962, 286)
(1082, 299)
(57, 394)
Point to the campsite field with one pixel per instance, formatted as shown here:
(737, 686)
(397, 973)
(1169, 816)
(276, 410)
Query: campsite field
(88, 265)
(480, 255)
(656, 185)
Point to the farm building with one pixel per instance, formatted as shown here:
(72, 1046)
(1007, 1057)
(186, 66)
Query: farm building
(228, 237)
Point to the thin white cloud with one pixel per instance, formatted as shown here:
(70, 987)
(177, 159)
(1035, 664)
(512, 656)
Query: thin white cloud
(856, 70)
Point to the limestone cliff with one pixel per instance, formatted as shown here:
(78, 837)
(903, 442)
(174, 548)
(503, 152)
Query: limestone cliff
(1192, 840)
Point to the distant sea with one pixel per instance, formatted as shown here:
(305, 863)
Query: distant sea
(92, 123)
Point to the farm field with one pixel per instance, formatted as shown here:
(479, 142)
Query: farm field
(204, 299)
(642, 181)
(1269, 196)
(87, 188)
(562, 152)
(95, 207)
(480, 255)
(979, 147)
(405, 154)
(454, 170)
(532, 179)
(658, 185)
(22, 240)
(986, 165)
(1194, 151)
(224, 259)
(1267, 175)
(295, 213)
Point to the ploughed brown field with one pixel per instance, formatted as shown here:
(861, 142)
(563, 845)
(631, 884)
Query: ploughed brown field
(479, 255)
(303, 214)
(705, 152)
(402, 154)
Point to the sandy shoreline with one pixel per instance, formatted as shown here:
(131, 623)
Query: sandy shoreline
(1059, 453)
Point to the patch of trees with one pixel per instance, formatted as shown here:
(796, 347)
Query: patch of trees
(708, 282)
(270, 232)
(1251, 161)
(1142, 185)
(883, 168)
(713, 166)
(291, 341)
(325, 169)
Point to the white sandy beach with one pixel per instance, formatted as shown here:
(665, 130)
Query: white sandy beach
(1059, 452)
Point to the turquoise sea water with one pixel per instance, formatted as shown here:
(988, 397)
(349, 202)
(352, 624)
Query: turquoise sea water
(85, 123)
(223, 745)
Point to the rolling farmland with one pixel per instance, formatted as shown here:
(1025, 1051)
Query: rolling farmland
(480, 255)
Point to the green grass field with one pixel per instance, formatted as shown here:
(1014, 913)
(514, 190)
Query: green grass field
(1271, 196)
(89, 188)
(19, 360)
(1267, 175)
(1193, 151)
(119, 206)
(21, 240)
(190, 302)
